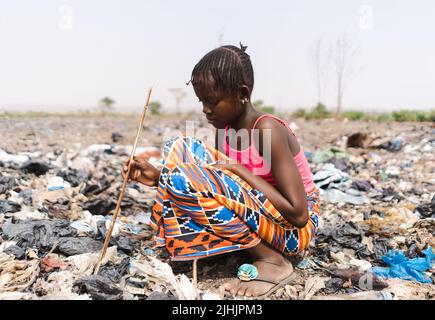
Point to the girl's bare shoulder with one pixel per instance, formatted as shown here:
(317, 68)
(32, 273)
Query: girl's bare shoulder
(279, 132)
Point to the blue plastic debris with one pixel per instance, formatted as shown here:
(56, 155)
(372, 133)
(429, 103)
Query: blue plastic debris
(394, 146)
(131, 228)
(55, 188)
(55, 183)
(148, 252)
(83, 226)
(404, 268)
(303, 264)
(308, 155)
(328, 175)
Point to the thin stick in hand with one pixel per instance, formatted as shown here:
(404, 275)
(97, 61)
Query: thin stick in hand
(124, 184)
(195, 278)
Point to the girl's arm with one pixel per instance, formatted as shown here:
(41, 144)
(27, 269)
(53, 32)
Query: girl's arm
(290, 200)
(142, 171)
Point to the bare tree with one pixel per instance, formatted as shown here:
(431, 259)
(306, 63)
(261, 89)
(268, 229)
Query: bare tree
(179, 95)
(221, 36)
(220, 39)
(344, 55)
(321, 57)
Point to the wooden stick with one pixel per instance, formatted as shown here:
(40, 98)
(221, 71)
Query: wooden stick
(124, 184)
(194, 276)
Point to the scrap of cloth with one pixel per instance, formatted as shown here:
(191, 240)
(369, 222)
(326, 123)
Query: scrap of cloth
(202, 211)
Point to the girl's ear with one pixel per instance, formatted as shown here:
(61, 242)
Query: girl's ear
(244, 92)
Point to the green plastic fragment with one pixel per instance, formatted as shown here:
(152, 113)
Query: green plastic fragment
(247, 272)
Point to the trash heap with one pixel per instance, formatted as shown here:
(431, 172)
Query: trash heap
(377, 228)
(55, 209)
(57, 196)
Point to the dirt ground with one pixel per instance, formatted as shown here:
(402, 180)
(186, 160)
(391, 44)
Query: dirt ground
(414, 184)
(58, 132)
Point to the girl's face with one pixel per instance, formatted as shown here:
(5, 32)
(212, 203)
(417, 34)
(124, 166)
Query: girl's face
(219, 109)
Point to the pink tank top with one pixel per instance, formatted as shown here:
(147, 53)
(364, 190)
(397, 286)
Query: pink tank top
(252, 159)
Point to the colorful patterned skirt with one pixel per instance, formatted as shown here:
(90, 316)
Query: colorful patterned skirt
(201, 211)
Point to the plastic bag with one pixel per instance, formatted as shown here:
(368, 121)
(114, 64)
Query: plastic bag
(404, 268)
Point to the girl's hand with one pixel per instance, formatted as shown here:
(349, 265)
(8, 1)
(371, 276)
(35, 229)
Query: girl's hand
(142, 171)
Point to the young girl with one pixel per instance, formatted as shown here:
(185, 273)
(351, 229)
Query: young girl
(227, 198)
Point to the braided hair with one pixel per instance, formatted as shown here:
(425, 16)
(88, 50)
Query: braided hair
(229, 66)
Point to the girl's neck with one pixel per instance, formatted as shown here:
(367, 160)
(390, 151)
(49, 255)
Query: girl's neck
(246, 119)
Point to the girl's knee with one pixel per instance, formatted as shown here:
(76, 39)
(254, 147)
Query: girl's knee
(185, 149)
(174, 151)
(170, 143)
(298, 240)
(179, 178)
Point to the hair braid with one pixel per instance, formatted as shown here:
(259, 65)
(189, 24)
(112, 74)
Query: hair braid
(229, 66)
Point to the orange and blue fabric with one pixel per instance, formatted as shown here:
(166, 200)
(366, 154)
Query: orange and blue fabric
(201, 211)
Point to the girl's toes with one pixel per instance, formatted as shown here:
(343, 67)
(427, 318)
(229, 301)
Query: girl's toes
(249, 292)
(232, 285)
(236, 289)
(242, 289)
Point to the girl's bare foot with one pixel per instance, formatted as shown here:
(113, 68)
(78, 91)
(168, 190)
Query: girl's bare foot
(271, 266)
(267, 271)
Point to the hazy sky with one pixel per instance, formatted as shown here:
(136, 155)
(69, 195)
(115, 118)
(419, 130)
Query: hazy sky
(68, 54)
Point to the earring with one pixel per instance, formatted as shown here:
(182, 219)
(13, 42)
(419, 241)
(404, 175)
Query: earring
(245, 100)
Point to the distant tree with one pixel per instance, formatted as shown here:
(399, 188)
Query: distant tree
(268, 109)
(259, 104)
(179, 95)
(299, 113)
(318, 112)
(155, 107)
(106, 104)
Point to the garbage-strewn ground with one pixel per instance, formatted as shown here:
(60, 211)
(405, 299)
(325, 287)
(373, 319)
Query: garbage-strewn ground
(60, 180)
